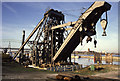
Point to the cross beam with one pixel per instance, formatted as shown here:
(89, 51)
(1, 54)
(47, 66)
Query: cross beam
(63, 25)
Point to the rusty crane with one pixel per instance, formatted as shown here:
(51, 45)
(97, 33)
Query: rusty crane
(52, 44)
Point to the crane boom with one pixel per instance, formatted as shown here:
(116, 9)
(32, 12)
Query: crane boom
(83, 27)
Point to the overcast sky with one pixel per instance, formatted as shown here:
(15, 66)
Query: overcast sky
(18, 16)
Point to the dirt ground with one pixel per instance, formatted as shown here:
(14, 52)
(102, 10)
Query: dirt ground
(12, 71)
(17, 71)
(32, 75)
(112, 74)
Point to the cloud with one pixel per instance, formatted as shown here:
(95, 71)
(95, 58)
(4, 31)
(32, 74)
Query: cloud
(9, 8)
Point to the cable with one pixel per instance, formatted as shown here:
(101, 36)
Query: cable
(73, 9)
(64, 12)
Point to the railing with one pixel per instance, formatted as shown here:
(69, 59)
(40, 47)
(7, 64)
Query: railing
(65, 68)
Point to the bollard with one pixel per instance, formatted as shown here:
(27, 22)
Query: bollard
(80, 66)
(64, 68)
(54, 69)
(60, 68)
(77, 67)
(57, 68)
(51, 69)
(48, 68)
(72, 67)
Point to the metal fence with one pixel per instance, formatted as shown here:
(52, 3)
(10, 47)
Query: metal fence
(65, 68)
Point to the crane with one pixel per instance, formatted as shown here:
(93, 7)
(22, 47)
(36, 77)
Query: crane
(50, 44)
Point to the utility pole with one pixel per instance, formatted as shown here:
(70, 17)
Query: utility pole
(9, 46)
(22, 51)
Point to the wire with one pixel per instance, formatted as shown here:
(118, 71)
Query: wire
(81, 10)
(73, 9)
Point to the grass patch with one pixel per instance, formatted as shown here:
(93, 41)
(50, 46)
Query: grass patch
(104, 69)
(11, 66)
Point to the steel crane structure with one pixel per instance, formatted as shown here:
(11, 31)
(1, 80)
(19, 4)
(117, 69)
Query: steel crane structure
(52, 44)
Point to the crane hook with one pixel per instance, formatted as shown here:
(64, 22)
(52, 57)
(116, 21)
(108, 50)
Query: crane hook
(95, 42)
(104, 23)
